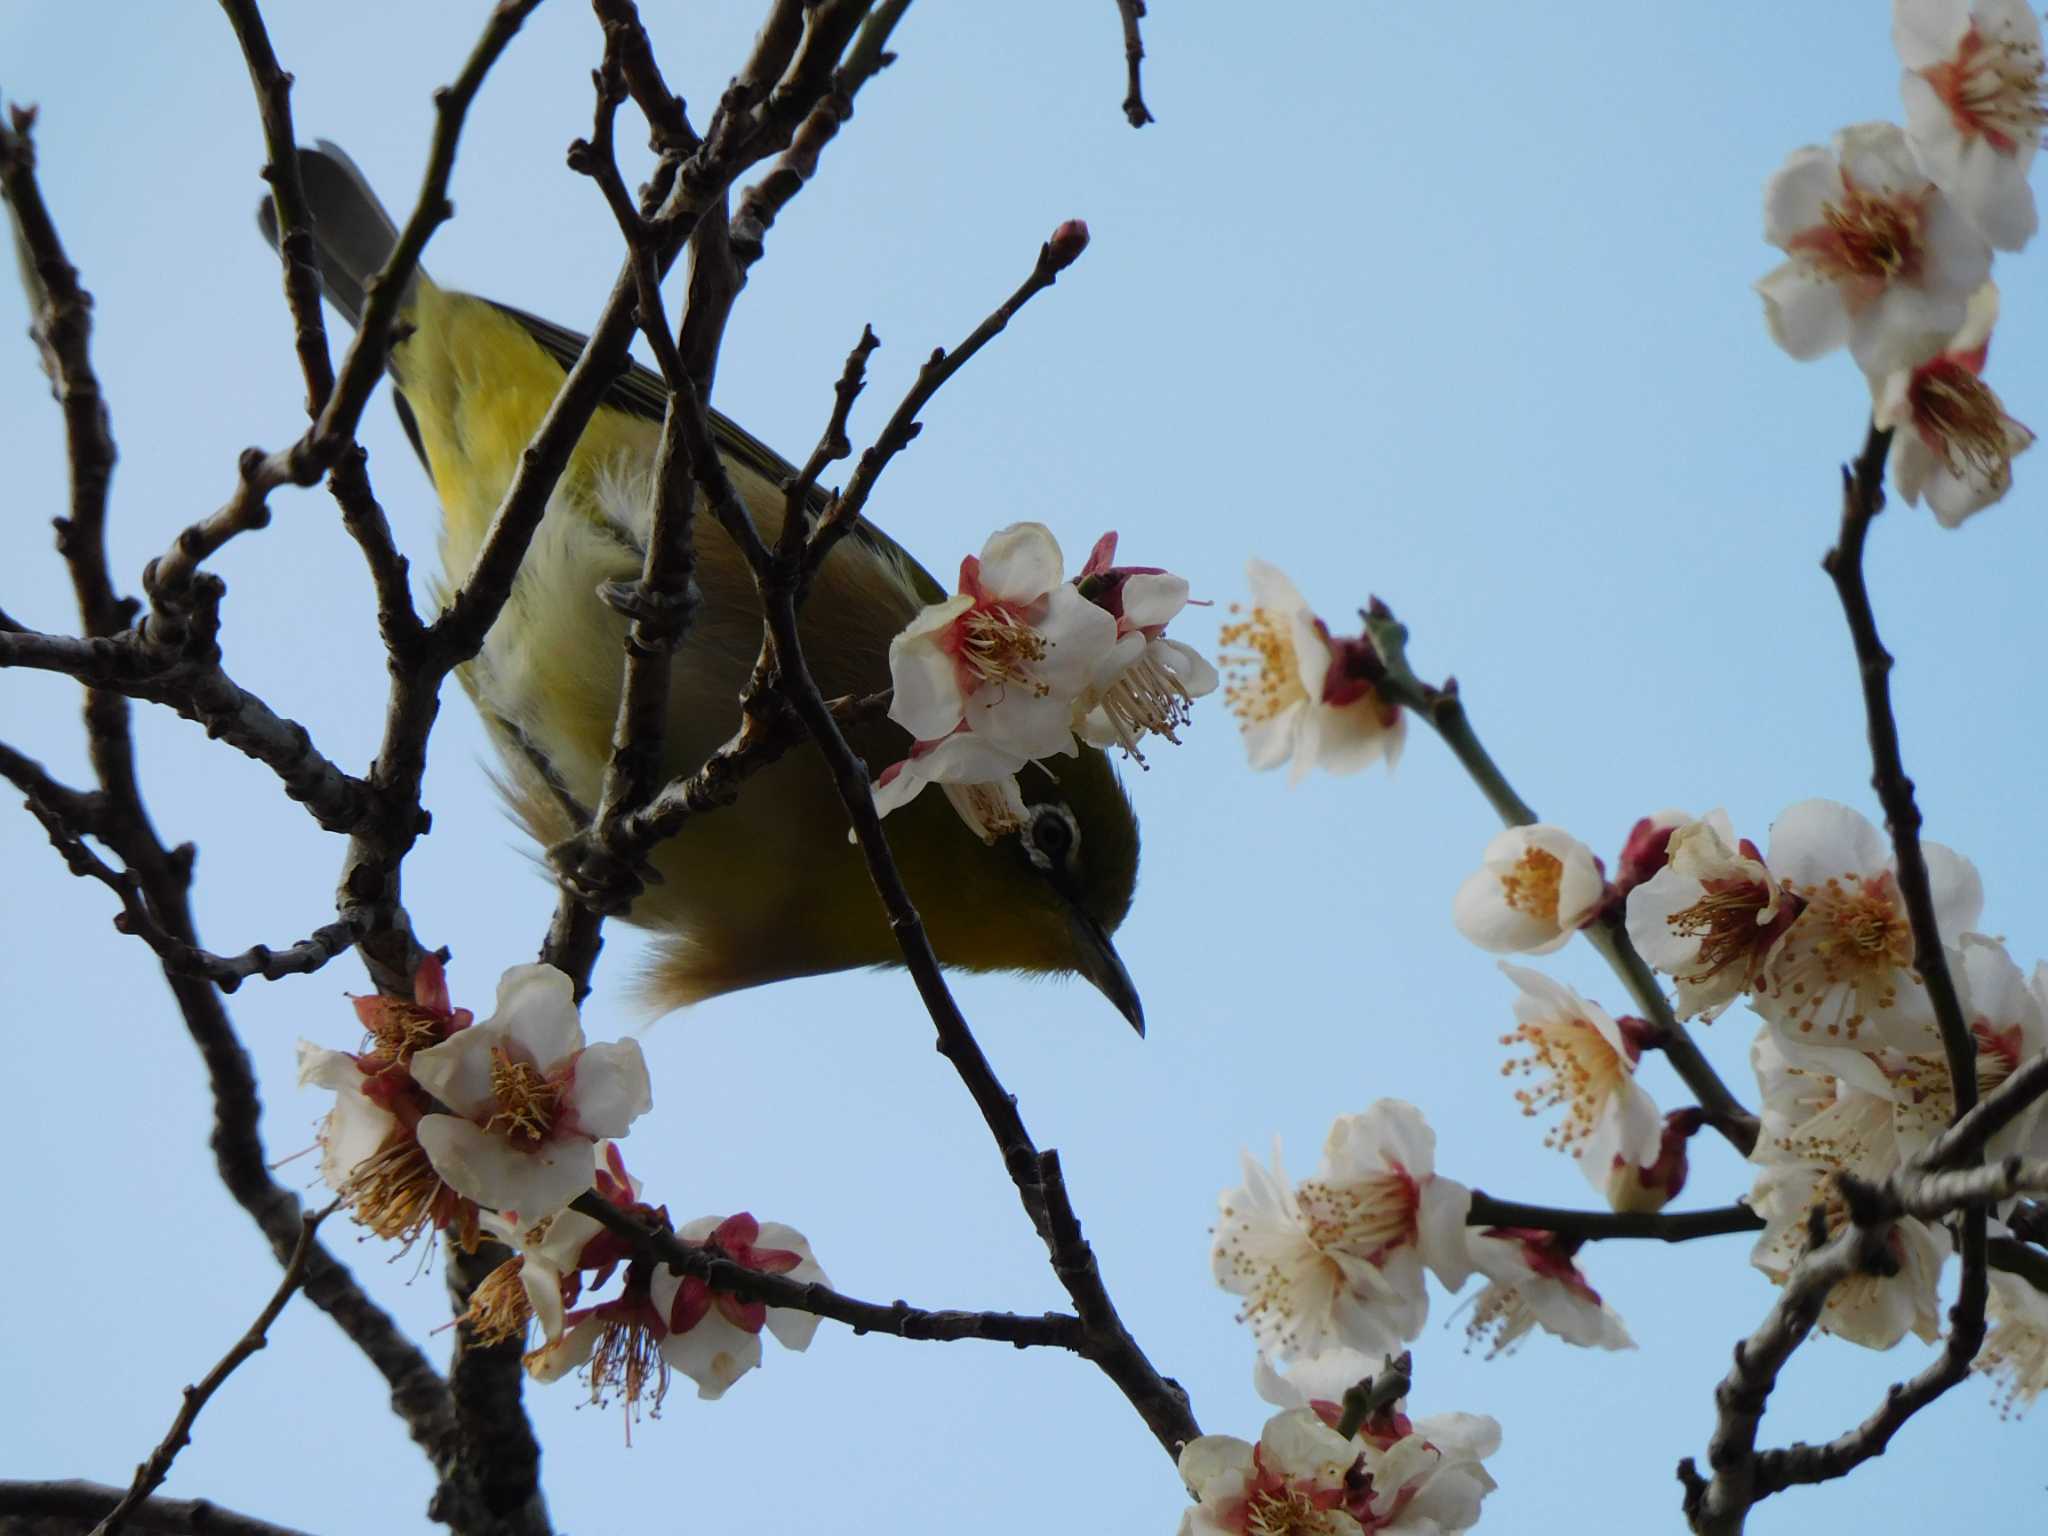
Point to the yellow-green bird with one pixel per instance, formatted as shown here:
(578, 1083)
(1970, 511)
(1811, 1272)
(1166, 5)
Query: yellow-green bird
(769, 887)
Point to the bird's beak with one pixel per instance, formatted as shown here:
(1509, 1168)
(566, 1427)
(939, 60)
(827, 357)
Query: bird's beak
(1096, 958)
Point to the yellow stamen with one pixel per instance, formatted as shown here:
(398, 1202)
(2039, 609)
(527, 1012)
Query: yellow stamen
(1000, 650)
(1258, 652)
(627, 1358)
(1584, 1071)
(527, 1100)
(498, 1309)
(1532, 885)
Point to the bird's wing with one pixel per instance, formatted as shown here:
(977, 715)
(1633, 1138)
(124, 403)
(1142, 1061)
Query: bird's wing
(641, 392)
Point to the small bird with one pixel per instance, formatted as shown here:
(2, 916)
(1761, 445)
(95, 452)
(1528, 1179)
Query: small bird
(769, 887)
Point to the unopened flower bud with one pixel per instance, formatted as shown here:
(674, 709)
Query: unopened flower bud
(1645, 1191)
(1067, 244)
(1647, 848)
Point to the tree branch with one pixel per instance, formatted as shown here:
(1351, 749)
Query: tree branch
(157, 1465)
(1135, 110)
(62, 1508)
(1662, 1226)
(1444, 712)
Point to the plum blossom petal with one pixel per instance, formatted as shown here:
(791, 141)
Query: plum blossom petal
(1536, 1284)
(1953, 442)
(2015, 1355)
(1973, 88)
(491, 1171)
(1841, 975)
(1299, 695)
(1534, 887)
(977, 778)
(1877, 257)
(1874, 1310)
(1589, 1061)
(1709, 917)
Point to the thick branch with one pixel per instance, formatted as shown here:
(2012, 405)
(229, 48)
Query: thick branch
(71, 1506)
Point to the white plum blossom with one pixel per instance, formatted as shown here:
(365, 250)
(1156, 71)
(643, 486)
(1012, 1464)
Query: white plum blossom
(1007, 656)
(1645, 1188)
(1534, 887)
(1588, 1061)
(1973, 86)
(1147, 683)
(978, 778)
(2016, 1352)
(1952, 439)
(1422, 1477)
(1874, 1310)
(1337, 1260)
(1877, 257)
(663, 1321)
(1292, 1481)
(1535, 1283)
(1299, 695)
(1709, 917)
(1842, 974)
(370, 1154)
(714, 1338)
(528, 1100)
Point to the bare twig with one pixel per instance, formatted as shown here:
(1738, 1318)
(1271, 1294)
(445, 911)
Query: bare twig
(1135, 110)
(843, 513)
(1661, 1226)
(195, 685)
(288, 198)
(157, 1465)
(74, 1505)
(1444, 711)
(898, 1319)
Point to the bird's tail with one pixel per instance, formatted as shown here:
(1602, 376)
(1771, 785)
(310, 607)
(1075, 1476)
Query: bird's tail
(353, 236)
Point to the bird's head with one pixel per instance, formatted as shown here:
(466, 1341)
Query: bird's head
(1043, 898)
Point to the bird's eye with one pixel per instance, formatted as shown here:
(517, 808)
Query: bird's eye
(1051, 837)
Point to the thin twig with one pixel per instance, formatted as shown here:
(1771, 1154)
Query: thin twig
(1444, 712)
(1055, 1330)
(1660, 1226)
(157, 1465)
(843, 513)
(1135, 111)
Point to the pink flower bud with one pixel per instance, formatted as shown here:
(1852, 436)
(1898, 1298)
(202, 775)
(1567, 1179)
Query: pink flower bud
(1067, 244)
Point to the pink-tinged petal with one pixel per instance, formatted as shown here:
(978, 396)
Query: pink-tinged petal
(1150, 601)
(537, 1012)
(1186, 664)
(1211, 1464)
(1803, 310)
(610, 1089)
(570, 1352)
(335, 1071)
(928, 697)
(1927, 31)
(430, 985)
(1021, 563)
(1957, 888)
(714, 1354)
(1101, 557)
(491, 1172)
(458, 1070)
(1271, 590)
(354, 1130)
(1268, 742)
(1077, 636)
(1992, 190)
(1441, 1228)
(1815, 840)
(1798, 193)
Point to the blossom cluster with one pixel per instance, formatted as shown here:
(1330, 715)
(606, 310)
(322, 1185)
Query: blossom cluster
(1888, 236)
(1022, 661)
(1813, 935)
(493, 1130)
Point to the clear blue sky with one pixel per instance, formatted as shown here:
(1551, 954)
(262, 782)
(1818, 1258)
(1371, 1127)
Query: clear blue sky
(1447, 306)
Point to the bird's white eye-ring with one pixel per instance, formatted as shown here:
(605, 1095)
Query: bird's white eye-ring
(1051, 837)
